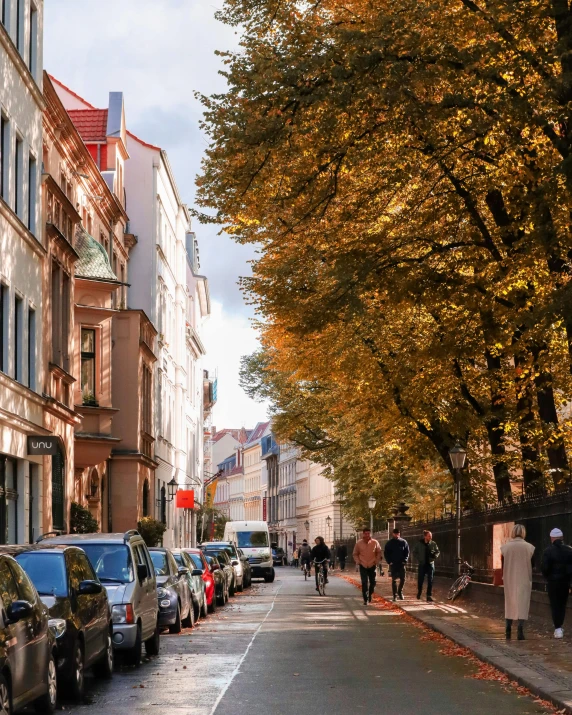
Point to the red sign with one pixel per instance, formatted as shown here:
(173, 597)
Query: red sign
(263, 508)
(185, 499)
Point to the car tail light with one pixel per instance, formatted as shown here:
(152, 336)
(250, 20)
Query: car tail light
(129, 615)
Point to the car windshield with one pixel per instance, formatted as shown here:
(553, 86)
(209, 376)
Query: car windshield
(219, 553)
(196, 559)
(252, 539)
(112, 562)
(47, 572)
(159, 559)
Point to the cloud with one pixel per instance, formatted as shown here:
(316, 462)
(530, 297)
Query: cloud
(158, 55)
(228, 338)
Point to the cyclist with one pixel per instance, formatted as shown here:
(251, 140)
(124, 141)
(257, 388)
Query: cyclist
(320, 552)
(305, 555)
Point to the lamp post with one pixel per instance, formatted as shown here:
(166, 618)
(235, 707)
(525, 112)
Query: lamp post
(371, 502)
(329, 525)
(457, 455)
(307, 525)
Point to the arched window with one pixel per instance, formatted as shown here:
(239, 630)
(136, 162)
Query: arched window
(94, 484)
(146, 498)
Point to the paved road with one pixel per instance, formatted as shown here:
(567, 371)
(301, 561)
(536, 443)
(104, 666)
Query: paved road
(282, 649)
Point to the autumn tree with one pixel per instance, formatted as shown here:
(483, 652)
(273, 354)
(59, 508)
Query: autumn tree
(406, 170)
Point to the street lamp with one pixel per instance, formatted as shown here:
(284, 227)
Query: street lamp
(307, 525)
(329, 524)
(457, 455)
(371, 502)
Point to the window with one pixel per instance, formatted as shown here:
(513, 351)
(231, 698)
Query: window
(146, 498)
(25, 588)
(4, 305)
(88, 366)
(32, 49)
(11, 497)
(32, 480)
(31, 348)
(18, 177)
(3, 5)
(4, 146)
(20, 25)
(18, 337)
(32, 194)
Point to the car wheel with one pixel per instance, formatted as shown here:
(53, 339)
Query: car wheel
(104, 667)
(5, 697)
(231, 589)
(221, 598)
(133, 656)
(212, 607)
(189, 621)
(204, 607)
(240, 587)
(176, 627)
(47, 703)
(77, 680)
(226, 595)
(152, 645)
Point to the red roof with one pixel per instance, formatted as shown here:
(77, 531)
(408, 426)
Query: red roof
(151, 146)
(90, 123)
(257, 432)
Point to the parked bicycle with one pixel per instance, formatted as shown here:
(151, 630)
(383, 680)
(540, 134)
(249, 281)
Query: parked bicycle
(462, 582)
(320, 576)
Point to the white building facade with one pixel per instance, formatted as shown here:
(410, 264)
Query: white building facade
(22, 251)
(255, 480)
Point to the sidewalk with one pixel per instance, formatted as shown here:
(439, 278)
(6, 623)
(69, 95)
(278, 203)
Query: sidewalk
(539, 663)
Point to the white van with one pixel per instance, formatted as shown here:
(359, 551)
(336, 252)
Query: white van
(253, 538)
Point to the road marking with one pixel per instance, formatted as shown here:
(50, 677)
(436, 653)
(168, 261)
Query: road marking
(241, 661)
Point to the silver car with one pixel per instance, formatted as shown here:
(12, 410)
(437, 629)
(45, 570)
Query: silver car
(123, 565)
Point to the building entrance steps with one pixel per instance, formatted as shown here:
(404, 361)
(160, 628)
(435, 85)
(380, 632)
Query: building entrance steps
(539, 663)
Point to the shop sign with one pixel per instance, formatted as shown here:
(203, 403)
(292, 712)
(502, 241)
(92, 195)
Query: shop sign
(185, 499)
(39, 444)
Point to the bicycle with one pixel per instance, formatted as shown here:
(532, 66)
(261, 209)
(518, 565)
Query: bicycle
(307, 569)
(320, 577)
(462, 582)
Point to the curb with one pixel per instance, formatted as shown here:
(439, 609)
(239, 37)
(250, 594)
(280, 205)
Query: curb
(539, 685)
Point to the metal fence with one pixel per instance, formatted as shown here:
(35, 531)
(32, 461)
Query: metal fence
(482, 532)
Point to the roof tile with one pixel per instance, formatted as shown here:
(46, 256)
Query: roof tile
(90, 123)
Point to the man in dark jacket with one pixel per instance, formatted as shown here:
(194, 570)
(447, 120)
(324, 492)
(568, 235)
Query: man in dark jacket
(556, 569)
(320, 552)
(342, 554)
(425, 551)
(396, 554)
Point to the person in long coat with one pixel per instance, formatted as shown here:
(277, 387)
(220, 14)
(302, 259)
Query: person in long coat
(517, 577)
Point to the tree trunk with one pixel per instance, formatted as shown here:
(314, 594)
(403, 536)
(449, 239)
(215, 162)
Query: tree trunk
(531, 468)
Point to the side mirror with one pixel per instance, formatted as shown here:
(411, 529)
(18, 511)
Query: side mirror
(215, 567)
(234, 562)
(142, 572)
(183, 571)
(19, 610)
(197, 572)
(89, 588)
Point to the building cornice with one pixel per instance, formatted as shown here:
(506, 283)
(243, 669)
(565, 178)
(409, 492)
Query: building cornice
(20, 228)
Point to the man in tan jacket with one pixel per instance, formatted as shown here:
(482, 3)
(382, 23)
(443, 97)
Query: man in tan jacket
(367, 555)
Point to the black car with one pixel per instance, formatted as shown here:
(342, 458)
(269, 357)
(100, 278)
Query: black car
(173, 592)
(220, 579)
(79, 610)
(27, 644)
(225, 564)
(279, 556)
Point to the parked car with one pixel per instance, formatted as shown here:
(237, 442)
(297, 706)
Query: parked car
(213, 580)
(78, 607)
(196, 583)
(173, 591)
(242, 570)
(123, 565)
(278, 556)
(220, 579)
(246, 567)
(225, 564)
(27, 644)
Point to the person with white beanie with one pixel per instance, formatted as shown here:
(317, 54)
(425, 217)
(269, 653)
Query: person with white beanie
(557, 569)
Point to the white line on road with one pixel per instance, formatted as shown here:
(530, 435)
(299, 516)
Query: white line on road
(241, 661)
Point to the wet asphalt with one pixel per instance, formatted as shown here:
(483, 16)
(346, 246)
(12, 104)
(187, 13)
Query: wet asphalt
(281, 648)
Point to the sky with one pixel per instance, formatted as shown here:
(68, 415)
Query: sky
(159, 53)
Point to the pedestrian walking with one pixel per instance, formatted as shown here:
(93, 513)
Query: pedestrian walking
(517, 578)
(426, 552)
(333, 556)
(396, 554)
(367, 554)
(342, 554)
(294, 558)
(556, 569)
